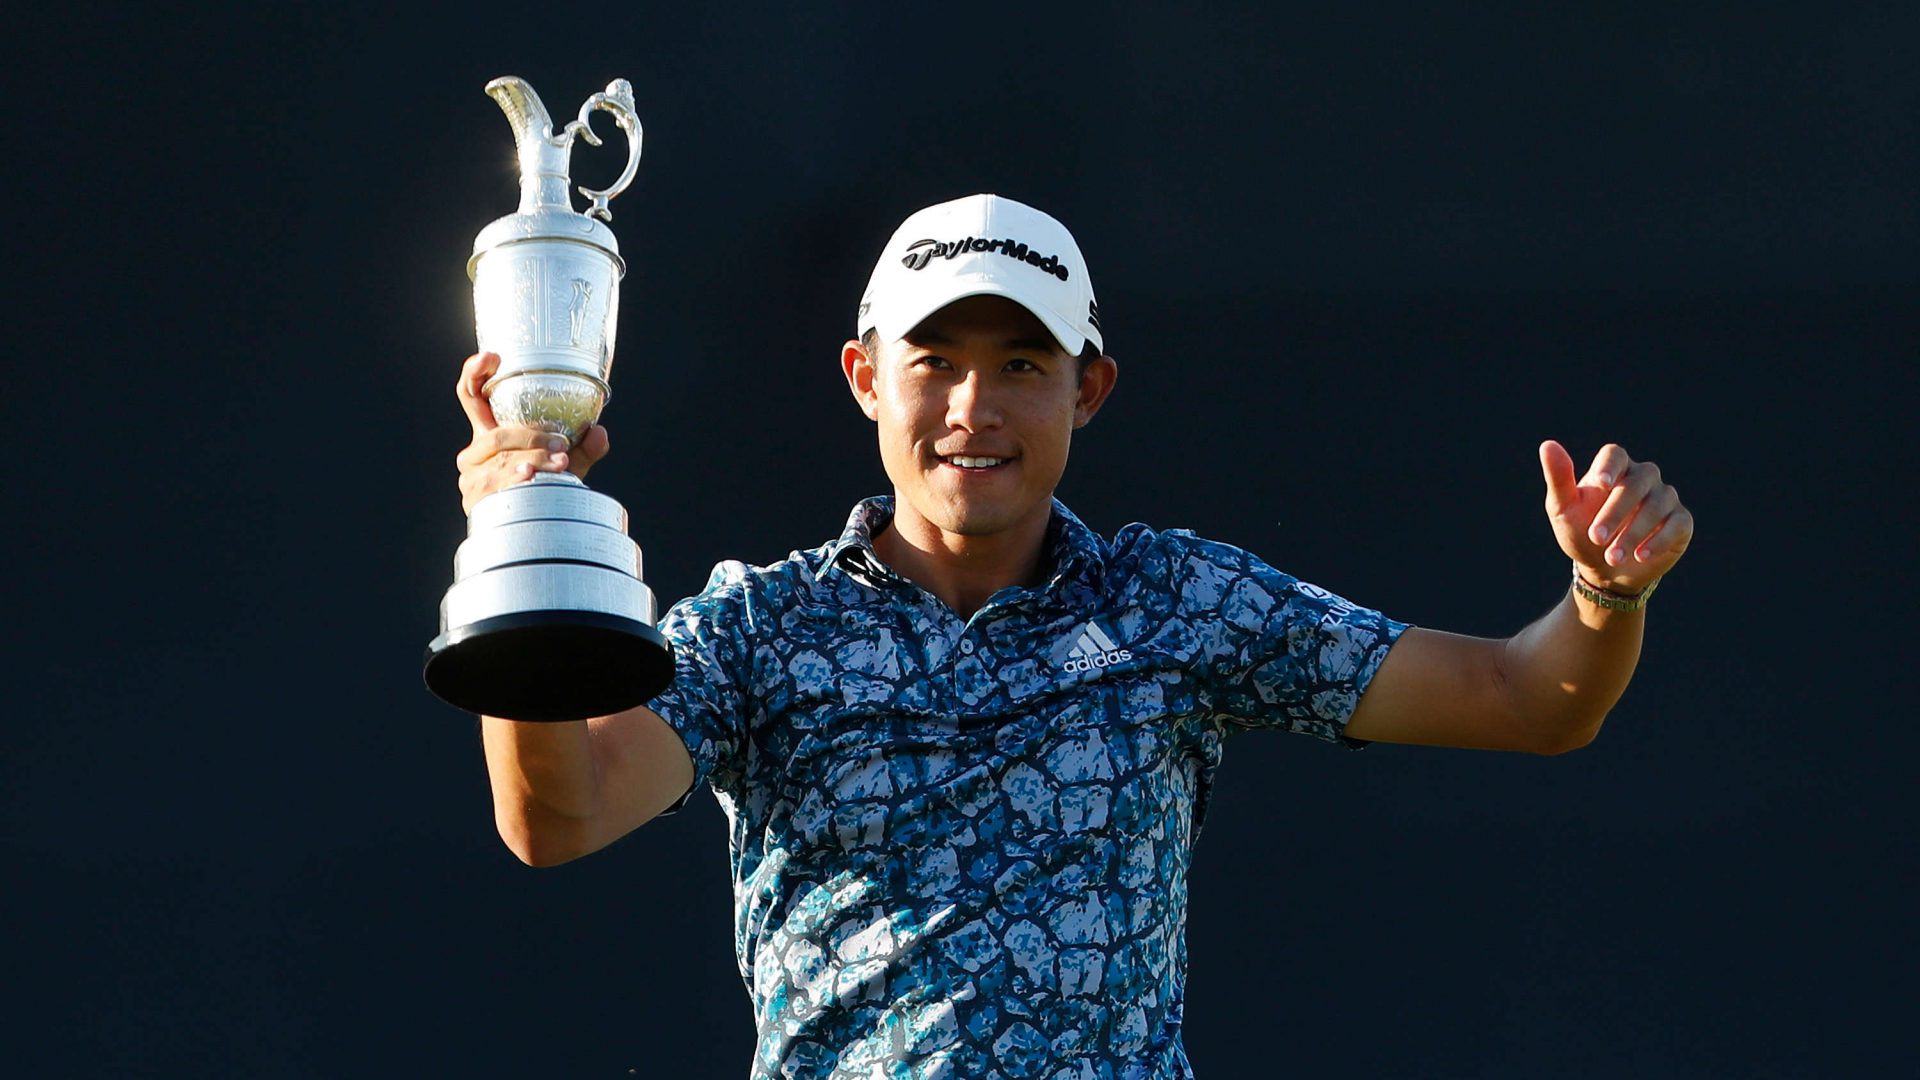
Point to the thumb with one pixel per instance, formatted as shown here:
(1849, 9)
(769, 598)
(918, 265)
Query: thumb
(1557, 466)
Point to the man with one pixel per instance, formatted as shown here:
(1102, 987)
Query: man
(965, 747)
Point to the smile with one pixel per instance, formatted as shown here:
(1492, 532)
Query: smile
(963, 461)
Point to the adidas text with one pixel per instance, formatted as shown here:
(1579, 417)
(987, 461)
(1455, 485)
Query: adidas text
(1097, 660)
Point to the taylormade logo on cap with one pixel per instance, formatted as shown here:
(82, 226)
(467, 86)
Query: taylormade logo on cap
(922, 252)
(982, 245)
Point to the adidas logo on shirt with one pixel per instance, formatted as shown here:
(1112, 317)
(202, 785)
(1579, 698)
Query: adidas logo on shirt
(1093, 649)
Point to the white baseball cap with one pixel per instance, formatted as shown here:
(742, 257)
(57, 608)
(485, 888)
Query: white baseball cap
(982, 245)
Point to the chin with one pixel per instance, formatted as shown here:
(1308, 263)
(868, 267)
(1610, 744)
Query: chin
(976, 526)
(980, 520)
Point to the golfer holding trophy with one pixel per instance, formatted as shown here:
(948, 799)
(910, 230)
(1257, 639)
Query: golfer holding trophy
(548, 618)
(963, 749)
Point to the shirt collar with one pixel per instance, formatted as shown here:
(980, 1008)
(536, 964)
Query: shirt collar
(1076, 555)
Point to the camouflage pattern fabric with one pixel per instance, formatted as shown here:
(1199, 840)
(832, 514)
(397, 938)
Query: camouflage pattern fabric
(960, 846)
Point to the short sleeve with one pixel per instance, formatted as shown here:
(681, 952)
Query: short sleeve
(1277, 652)
(706, 702)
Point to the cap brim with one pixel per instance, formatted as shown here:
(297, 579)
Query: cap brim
(906, 314)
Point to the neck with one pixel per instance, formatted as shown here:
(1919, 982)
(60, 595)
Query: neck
(963, 571)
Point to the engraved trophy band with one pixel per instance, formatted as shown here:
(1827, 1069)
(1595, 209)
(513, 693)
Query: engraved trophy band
(548, 618)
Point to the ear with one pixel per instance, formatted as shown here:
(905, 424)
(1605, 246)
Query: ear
(1095, 384)
(857, 366)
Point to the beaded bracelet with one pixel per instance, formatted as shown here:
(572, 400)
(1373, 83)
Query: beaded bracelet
(1609, 599)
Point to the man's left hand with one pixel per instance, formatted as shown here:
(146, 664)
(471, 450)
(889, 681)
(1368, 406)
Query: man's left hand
(1621, 524)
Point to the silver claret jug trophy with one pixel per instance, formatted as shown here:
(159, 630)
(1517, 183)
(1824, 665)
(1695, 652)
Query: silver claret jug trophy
(547, 618)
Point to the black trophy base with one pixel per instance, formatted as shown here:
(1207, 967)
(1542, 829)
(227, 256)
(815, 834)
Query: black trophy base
(549, 666)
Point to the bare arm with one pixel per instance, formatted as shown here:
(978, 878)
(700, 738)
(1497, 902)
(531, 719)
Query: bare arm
(1544, 690)
(1548, 688)
(561, 791)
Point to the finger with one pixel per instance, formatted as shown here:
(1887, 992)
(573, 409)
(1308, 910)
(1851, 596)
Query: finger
(1556, 465)
(477, 484)
(516, 466)
(1617, 552)
(593, 445)
(1624, 502)
(520, 464)
(470, 388)
(504, 471)
(1653, 513)
(1652, 546)
(1672, 538)
(508, 439)
(1609, 465)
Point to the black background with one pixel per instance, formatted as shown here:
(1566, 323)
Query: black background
(1354, 267)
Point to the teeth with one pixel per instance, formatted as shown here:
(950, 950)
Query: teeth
(975, 462)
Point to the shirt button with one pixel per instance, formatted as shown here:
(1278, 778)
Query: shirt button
(966, 646)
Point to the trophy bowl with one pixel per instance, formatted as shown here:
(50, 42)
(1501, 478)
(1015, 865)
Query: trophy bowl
(554, 402)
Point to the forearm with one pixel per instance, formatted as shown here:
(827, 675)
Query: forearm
(563, 790)
(546, 786)
(1564, 672)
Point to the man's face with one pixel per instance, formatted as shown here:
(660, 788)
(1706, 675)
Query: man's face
(976, 407)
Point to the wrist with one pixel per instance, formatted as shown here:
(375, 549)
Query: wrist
(1609, 596)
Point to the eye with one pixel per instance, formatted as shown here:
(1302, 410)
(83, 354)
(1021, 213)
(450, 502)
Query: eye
(1021, 363)
(931, 360)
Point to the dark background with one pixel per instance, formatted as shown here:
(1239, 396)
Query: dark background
(1355, 267)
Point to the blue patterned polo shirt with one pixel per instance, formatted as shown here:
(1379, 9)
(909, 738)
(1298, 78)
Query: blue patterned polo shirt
(960, 846)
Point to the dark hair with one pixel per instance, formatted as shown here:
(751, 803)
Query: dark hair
(1090, 352)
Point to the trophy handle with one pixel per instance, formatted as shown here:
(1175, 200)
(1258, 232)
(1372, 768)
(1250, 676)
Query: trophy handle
(617, 99)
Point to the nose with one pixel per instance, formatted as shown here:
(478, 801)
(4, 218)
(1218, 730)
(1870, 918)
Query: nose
(971, 405)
